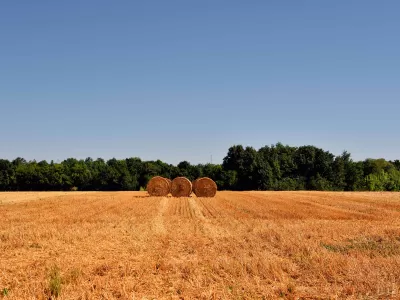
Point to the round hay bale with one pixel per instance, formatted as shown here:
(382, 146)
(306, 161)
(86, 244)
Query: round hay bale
(205, 187)
(170, 183)
(194, 185)
(158, 186)
(181, 187)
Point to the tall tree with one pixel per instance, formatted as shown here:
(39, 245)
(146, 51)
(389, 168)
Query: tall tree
(7, 175)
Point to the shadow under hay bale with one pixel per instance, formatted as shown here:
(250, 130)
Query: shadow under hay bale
(205, 187)
(158, 186)
(181, 187)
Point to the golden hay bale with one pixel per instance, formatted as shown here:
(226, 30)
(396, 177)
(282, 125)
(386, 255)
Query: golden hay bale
(181, 187)
(170, 183)
(194, 186)
(205, 187)
(158, 186)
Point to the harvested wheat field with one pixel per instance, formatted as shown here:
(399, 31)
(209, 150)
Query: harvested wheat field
(237, 245)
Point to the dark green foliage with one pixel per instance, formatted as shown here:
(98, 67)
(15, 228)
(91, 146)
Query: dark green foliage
(396, 164)
(7, 175)
(275, 167)
(244, 162)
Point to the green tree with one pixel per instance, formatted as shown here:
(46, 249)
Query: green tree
(7, 175)
(243, 161)
(77, 174)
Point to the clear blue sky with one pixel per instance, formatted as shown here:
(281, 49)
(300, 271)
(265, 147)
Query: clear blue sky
(184, 80)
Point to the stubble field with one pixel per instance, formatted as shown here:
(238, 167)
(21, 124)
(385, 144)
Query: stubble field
(238, 245)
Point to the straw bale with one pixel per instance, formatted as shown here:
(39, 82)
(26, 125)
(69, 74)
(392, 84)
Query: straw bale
(194, 185)
(170, 183)
(158, 186)
(205, 187)
(181, 187)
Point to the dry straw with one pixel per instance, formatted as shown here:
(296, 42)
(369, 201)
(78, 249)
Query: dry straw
(158, 186)
(169, 183)
(194, 185)
(181, 187)
(205, 187)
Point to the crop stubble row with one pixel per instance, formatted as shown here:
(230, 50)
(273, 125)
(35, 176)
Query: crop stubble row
(245, 244)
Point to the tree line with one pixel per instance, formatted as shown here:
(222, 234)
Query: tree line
(276, 167)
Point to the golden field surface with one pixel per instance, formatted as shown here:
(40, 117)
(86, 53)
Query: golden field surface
(238, 245)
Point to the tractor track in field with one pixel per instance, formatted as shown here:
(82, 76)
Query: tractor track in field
(158, 220)
(210, 212)
(195, 208)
